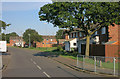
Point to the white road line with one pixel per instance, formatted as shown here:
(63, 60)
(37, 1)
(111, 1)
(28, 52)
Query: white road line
(34, 62)
(46, 74)
(38, 67)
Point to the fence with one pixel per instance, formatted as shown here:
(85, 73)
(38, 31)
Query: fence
(99, 64)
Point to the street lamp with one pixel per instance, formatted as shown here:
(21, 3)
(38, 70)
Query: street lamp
(29, 40)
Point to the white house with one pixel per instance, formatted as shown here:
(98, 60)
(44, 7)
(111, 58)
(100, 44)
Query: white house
(71, 43)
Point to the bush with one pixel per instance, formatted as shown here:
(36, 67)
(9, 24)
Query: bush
(60, 48)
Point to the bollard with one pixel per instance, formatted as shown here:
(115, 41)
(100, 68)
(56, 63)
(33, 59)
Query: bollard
(83, 62)
(77, 61)
(114, 65)
(95, 63)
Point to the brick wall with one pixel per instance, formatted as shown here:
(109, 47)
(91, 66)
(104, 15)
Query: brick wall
(114, 32)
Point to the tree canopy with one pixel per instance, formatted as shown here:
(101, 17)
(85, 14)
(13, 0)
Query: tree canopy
(7, 36)
(88, 16)
(3, 25)
(34, 36)
(59, 34)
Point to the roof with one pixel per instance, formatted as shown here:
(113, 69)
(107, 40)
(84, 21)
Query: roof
(110, 42)
(117, 43)
(48, 37)
(15, 38)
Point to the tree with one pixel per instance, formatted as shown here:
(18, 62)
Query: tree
(3, 25)
(59, 34)
(87, 16)
(7, 36)
(13, 34)
(34, 36)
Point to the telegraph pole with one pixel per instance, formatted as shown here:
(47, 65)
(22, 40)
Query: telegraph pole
(29, 41)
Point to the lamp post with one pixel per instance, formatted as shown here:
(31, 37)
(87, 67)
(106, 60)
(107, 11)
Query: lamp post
(29, 40)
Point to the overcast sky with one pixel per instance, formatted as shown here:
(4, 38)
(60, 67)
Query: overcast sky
(24, 15)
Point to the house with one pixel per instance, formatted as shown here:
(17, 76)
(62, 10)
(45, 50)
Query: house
(48, 41)
(100, 37)
(16, 41)
(71, 43)
(105, 39)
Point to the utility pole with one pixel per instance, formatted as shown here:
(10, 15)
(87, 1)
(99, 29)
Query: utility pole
(29, 40)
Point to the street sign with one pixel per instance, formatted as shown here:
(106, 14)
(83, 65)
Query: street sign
(3, 46)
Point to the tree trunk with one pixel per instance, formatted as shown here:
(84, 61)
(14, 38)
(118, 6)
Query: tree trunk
(87, 46)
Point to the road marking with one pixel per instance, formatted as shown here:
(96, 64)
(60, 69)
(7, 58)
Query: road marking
(34, 62)
(46, 74)
(38, 67)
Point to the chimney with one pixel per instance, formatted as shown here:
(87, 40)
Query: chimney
(66, 36)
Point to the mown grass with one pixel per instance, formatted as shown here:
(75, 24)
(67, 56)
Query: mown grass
(44, 49)
(108, 65)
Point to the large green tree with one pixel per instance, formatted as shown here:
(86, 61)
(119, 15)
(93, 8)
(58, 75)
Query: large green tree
(87, 16)
(59, 34)
(34, 36)
(7, 36)
(3, 25)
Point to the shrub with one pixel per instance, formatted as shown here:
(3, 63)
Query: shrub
(60, 48)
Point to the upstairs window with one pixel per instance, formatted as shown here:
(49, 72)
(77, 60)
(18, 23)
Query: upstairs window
(103, 30)
(76, 34)
(47, 39)
(73, 35)
(80, 34)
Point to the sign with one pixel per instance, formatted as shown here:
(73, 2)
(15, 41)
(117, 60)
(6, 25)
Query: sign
(3, 46)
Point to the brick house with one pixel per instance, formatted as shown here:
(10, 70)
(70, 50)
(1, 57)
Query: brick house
(16, 41)
(112, 47)
(107, 38)
(48, 41)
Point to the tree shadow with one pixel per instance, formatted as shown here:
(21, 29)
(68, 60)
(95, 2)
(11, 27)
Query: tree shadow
(47, 54)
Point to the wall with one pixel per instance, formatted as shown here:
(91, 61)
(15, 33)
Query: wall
(72, 43)
(67, 46)
(95, 49)
(114, 31)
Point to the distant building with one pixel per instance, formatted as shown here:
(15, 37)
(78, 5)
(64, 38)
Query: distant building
(48, 41)
(16, 41)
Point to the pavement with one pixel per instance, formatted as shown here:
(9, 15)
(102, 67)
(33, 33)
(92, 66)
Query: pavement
(24, 63)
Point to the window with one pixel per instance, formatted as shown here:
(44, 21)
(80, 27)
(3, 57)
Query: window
(73, 35)
(74, 44)
(80, 34)
(103, 30)
(47, 39)
(76, 34)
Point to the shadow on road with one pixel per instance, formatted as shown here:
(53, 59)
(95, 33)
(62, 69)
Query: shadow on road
(46, 54)
(5, 54)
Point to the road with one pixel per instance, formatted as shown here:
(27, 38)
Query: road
(24, 64)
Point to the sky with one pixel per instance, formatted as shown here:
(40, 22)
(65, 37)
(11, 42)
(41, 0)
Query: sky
(24, 15)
